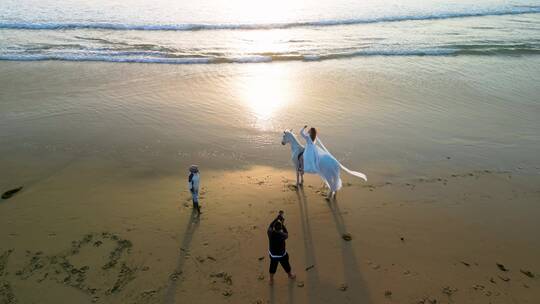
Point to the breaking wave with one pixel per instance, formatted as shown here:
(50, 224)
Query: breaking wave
(517, 10)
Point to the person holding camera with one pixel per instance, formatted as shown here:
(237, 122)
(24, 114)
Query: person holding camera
(277, 234)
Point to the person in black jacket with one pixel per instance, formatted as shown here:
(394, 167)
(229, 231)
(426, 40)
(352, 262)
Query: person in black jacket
(277, 234)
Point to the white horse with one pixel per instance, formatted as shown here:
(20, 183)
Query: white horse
(296, 149)
(329, 166)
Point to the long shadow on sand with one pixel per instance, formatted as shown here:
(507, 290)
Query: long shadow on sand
(357, 290)
(175, 281)
(312, 273)
(290, 300)
(312, 276)
(318, 291)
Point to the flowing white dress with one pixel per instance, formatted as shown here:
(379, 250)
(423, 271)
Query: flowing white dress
(311, 154)
(318, 160)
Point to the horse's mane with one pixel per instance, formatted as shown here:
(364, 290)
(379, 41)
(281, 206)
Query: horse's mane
(294, 137)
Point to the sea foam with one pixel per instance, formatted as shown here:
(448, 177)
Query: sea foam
(517, 10)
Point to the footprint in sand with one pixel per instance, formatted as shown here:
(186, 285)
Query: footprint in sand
(96, 265)
(6, 293)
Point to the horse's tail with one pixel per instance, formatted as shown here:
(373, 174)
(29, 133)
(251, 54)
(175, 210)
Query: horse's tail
(355, 173)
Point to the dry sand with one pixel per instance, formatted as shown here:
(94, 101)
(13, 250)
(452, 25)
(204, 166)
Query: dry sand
(95, 233)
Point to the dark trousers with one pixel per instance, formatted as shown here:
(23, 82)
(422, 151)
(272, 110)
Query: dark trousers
(284, 261)
(195, 198)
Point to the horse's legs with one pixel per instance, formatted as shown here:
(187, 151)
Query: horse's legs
(331, 195)
(300, 171)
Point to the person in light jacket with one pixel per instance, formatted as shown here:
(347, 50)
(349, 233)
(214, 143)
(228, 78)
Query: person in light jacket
(193, 185)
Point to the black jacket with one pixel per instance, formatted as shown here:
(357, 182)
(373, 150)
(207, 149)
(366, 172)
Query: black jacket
(276, 239)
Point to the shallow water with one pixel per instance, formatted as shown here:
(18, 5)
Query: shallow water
(389, 117)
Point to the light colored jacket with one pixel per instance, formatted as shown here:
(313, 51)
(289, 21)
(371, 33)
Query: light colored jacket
(193, 182)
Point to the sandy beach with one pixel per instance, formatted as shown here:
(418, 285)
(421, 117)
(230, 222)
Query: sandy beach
(436, 239)
(449, 213)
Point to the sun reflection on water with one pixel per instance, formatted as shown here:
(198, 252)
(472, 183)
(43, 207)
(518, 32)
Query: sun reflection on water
(266, 92)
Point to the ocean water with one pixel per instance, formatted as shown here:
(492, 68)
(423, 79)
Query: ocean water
(240, 31)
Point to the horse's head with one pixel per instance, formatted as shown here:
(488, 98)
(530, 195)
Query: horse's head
(286, 137)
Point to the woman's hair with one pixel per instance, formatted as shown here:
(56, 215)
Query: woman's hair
(277, 225)
(313, 133)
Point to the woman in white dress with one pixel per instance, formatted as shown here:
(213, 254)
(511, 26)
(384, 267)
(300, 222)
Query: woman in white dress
(316, 159)
(311, 154)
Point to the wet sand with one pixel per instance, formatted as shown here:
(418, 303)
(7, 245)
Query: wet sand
(436, 239)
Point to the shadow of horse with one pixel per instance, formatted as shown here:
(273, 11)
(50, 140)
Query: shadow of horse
(357, 288)
(312, 273)
(318, 291)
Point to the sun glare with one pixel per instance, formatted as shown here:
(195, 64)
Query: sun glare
(265, 92)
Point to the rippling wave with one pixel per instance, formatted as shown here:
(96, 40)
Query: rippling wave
(504, 34)
(166, 58)
(518, 10)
